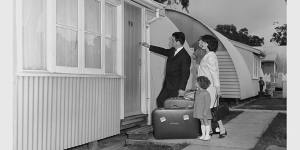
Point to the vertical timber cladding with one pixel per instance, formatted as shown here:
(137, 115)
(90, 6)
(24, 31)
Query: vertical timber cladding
(56, 113)
(230, 87)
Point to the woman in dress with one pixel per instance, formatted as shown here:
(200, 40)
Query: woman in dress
(209, 67)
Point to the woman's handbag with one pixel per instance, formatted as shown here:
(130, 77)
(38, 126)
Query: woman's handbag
(215, 110)
(220, 111)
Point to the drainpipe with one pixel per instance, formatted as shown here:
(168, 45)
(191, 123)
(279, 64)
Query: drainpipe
(148, 66)
(153, 19)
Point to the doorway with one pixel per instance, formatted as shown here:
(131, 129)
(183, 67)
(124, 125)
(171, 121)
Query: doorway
(132, 59)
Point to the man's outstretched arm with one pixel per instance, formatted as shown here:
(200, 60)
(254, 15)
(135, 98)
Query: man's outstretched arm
(156, 49)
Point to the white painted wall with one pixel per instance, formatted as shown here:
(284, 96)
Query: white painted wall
(248, 57)
(7, 79)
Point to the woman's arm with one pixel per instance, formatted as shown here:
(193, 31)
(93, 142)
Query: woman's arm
(212, 63)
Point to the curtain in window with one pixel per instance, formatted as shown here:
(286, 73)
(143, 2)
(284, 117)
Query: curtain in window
(66, 47)
(110, 40)
(34, 35)
(92, 34)
(92, 51)
(92, 16)
(66, 33)
(67, 12)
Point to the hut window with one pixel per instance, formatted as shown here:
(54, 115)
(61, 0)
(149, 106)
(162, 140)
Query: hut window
(92, 35)
(256, 67)
(67, 33)
(110, 38)
(33, 35)
(90, 27)
(82, 36)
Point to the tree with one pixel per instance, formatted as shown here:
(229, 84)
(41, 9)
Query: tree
(230, 31)
(243, 36)
(256, 41)
(279, 36)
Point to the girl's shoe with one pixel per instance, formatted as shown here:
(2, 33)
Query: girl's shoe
(202, 132)
(207, 135)
(223, 134)
(206, 138)
(200, 137)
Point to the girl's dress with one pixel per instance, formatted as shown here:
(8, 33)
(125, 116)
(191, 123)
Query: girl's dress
(202, 105)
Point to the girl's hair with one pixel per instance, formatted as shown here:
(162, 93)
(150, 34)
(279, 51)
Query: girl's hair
(211, 41)
(203, 82)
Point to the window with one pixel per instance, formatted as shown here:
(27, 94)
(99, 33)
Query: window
(67, 33)
(33, 35)
(110, 38)
(82, 36)
(92, 34)
(256, 67)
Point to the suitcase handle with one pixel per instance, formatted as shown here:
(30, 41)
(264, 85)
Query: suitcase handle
(183, 97)
(176, 106)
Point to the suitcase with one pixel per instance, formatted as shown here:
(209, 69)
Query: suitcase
(178, 102)
(175, 123)
(190, 94)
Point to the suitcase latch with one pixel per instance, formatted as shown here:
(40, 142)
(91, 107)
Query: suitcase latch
(186, 117)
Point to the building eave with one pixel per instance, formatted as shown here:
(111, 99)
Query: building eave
(247, 47)
(150, 4)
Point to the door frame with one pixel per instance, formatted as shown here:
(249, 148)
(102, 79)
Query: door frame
(143, 83)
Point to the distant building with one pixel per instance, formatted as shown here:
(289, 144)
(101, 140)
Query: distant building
(269, 65)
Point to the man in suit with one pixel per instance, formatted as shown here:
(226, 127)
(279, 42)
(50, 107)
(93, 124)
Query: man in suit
(177, 67)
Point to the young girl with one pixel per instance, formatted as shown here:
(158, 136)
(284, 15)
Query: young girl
(202, 106)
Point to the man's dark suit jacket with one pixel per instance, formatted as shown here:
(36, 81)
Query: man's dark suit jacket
(177, 67)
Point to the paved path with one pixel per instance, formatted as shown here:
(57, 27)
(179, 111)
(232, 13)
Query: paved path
(257, 110)
(243, 133)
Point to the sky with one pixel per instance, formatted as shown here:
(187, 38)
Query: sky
(257, 16)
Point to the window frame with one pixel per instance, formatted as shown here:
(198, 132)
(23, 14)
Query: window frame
(50, 40)
(256, 67)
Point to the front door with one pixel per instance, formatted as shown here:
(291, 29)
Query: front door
(132, 54)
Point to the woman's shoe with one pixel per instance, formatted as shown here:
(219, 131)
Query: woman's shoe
(222, 135)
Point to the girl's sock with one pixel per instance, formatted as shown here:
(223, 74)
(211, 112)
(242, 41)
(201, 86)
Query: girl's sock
(203, 132)
(207, 136)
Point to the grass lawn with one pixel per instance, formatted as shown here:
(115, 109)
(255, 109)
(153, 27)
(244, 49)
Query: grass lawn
(266, 103)
(275, 134)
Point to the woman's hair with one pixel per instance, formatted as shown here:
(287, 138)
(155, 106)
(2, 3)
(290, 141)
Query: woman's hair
(203, 82)
(211, 41)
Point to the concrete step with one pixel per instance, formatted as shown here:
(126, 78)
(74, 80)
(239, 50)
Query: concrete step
(133, 121)
(112, 143)
(143, 132)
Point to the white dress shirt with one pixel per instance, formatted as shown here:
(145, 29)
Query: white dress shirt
(178, 50)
